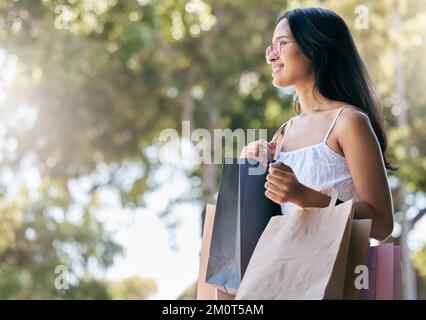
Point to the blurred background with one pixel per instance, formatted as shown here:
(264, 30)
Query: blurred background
(86, 86)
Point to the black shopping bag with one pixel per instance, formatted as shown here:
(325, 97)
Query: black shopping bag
(242, 213)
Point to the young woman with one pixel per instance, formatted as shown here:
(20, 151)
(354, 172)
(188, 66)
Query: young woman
(337, 138)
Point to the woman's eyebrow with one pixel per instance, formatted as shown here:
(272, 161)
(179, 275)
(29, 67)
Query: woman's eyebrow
(283, 36)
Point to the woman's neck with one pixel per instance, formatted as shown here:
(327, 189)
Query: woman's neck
(312, 101)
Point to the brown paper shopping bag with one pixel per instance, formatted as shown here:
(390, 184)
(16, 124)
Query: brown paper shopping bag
(357, 259)
(301, 255)
(206, 291)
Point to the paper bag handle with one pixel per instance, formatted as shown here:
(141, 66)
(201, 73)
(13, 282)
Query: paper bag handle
(332, 193)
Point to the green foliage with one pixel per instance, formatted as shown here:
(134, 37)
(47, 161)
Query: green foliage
(190, 293)
(39, 238)
(132, 288)
(420, 261)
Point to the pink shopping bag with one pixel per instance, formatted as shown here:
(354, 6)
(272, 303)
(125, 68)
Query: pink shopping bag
(384, 267)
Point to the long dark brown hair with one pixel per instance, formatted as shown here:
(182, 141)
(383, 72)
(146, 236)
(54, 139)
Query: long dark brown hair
(340, 72)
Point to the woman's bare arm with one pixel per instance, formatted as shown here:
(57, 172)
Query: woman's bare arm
(362, 152)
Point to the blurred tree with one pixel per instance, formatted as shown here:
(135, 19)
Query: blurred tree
(39, 237)
(119, 72)
(190, 293)
(419, 261)
(132, 288)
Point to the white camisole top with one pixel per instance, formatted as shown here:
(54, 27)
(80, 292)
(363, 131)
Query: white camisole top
(318, 167)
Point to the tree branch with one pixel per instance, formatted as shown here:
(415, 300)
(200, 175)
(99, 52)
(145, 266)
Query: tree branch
(418, 217)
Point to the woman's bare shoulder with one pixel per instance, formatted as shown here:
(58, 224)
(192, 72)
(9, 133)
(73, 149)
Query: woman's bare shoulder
(352, 117)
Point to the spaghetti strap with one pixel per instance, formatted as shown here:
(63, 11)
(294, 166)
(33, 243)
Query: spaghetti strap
(280, 129)
(285, 134)
(334, 122)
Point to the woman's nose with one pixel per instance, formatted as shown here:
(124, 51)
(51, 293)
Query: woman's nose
(270, 57)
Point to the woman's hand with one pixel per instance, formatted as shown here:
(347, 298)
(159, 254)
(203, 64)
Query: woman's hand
(259, 150)
(282, 184)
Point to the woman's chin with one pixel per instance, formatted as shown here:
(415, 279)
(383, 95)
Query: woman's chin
(280, 81)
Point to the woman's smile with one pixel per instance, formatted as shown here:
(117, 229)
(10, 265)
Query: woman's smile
(276, 68)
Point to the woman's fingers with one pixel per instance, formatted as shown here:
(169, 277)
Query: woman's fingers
(279, 176)
(272, 187)
(273, 196)
(260, 150)
(281, 166)
(276, 179)
(257, 150)
(271, 147)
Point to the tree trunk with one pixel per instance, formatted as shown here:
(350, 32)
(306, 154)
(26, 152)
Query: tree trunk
(209, 169)
(408, 272)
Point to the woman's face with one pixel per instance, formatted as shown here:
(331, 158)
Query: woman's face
(291, 66)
